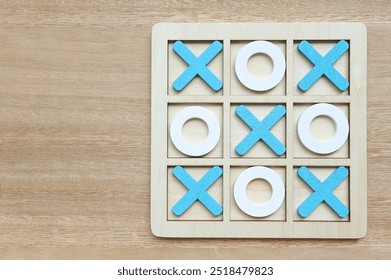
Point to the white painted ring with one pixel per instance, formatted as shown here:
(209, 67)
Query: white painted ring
(249, 80)
(262, 209)
(195, 112)
(340, 135)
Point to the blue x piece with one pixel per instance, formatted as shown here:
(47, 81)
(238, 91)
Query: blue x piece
(323, 191)
(323, 65)
(197, 190)
(260, 130)
(197, 65)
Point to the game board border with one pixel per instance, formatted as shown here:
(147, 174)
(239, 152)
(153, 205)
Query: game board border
(356, 33)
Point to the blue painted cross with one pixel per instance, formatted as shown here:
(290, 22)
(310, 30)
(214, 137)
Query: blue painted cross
(197, 65)
(260, 130)
(197, 190)
(323, 65)
(323, 191)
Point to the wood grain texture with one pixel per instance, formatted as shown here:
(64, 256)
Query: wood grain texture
(75, 129)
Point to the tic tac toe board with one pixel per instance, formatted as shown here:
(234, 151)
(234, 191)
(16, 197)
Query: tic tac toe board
(259, 130)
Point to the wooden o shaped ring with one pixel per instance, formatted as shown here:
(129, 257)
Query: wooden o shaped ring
(256, 209)
(195, 112)
(340, 135)
(249, 80)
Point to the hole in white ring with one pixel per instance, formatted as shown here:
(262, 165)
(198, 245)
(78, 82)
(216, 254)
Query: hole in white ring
(259, 191)
(322, 128)
(260, 65)
(195, 131)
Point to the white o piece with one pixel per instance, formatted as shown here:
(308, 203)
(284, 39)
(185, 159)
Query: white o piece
(256, 209)
(195, 112)
(249, 80)
(341, 131)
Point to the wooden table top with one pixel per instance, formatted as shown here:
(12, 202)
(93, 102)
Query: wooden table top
(75, 129)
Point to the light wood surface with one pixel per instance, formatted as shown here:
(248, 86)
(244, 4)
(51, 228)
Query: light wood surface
(75, 129)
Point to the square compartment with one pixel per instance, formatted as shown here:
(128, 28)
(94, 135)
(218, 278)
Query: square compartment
(197, 86)
(195, 130)
(323, 86)
(239, 130)
(260, 65)
(197, 211)
(258, 191)
(323, 212)
(322, 128)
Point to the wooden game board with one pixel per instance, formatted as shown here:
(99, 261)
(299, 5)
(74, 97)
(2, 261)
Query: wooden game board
(286, 221)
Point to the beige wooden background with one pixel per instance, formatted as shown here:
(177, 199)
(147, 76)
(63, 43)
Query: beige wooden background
(75, 128)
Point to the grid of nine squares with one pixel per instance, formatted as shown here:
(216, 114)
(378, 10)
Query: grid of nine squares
(226, 99)
(255, 63)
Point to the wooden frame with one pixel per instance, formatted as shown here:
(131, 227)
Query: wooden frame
(353, 100)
